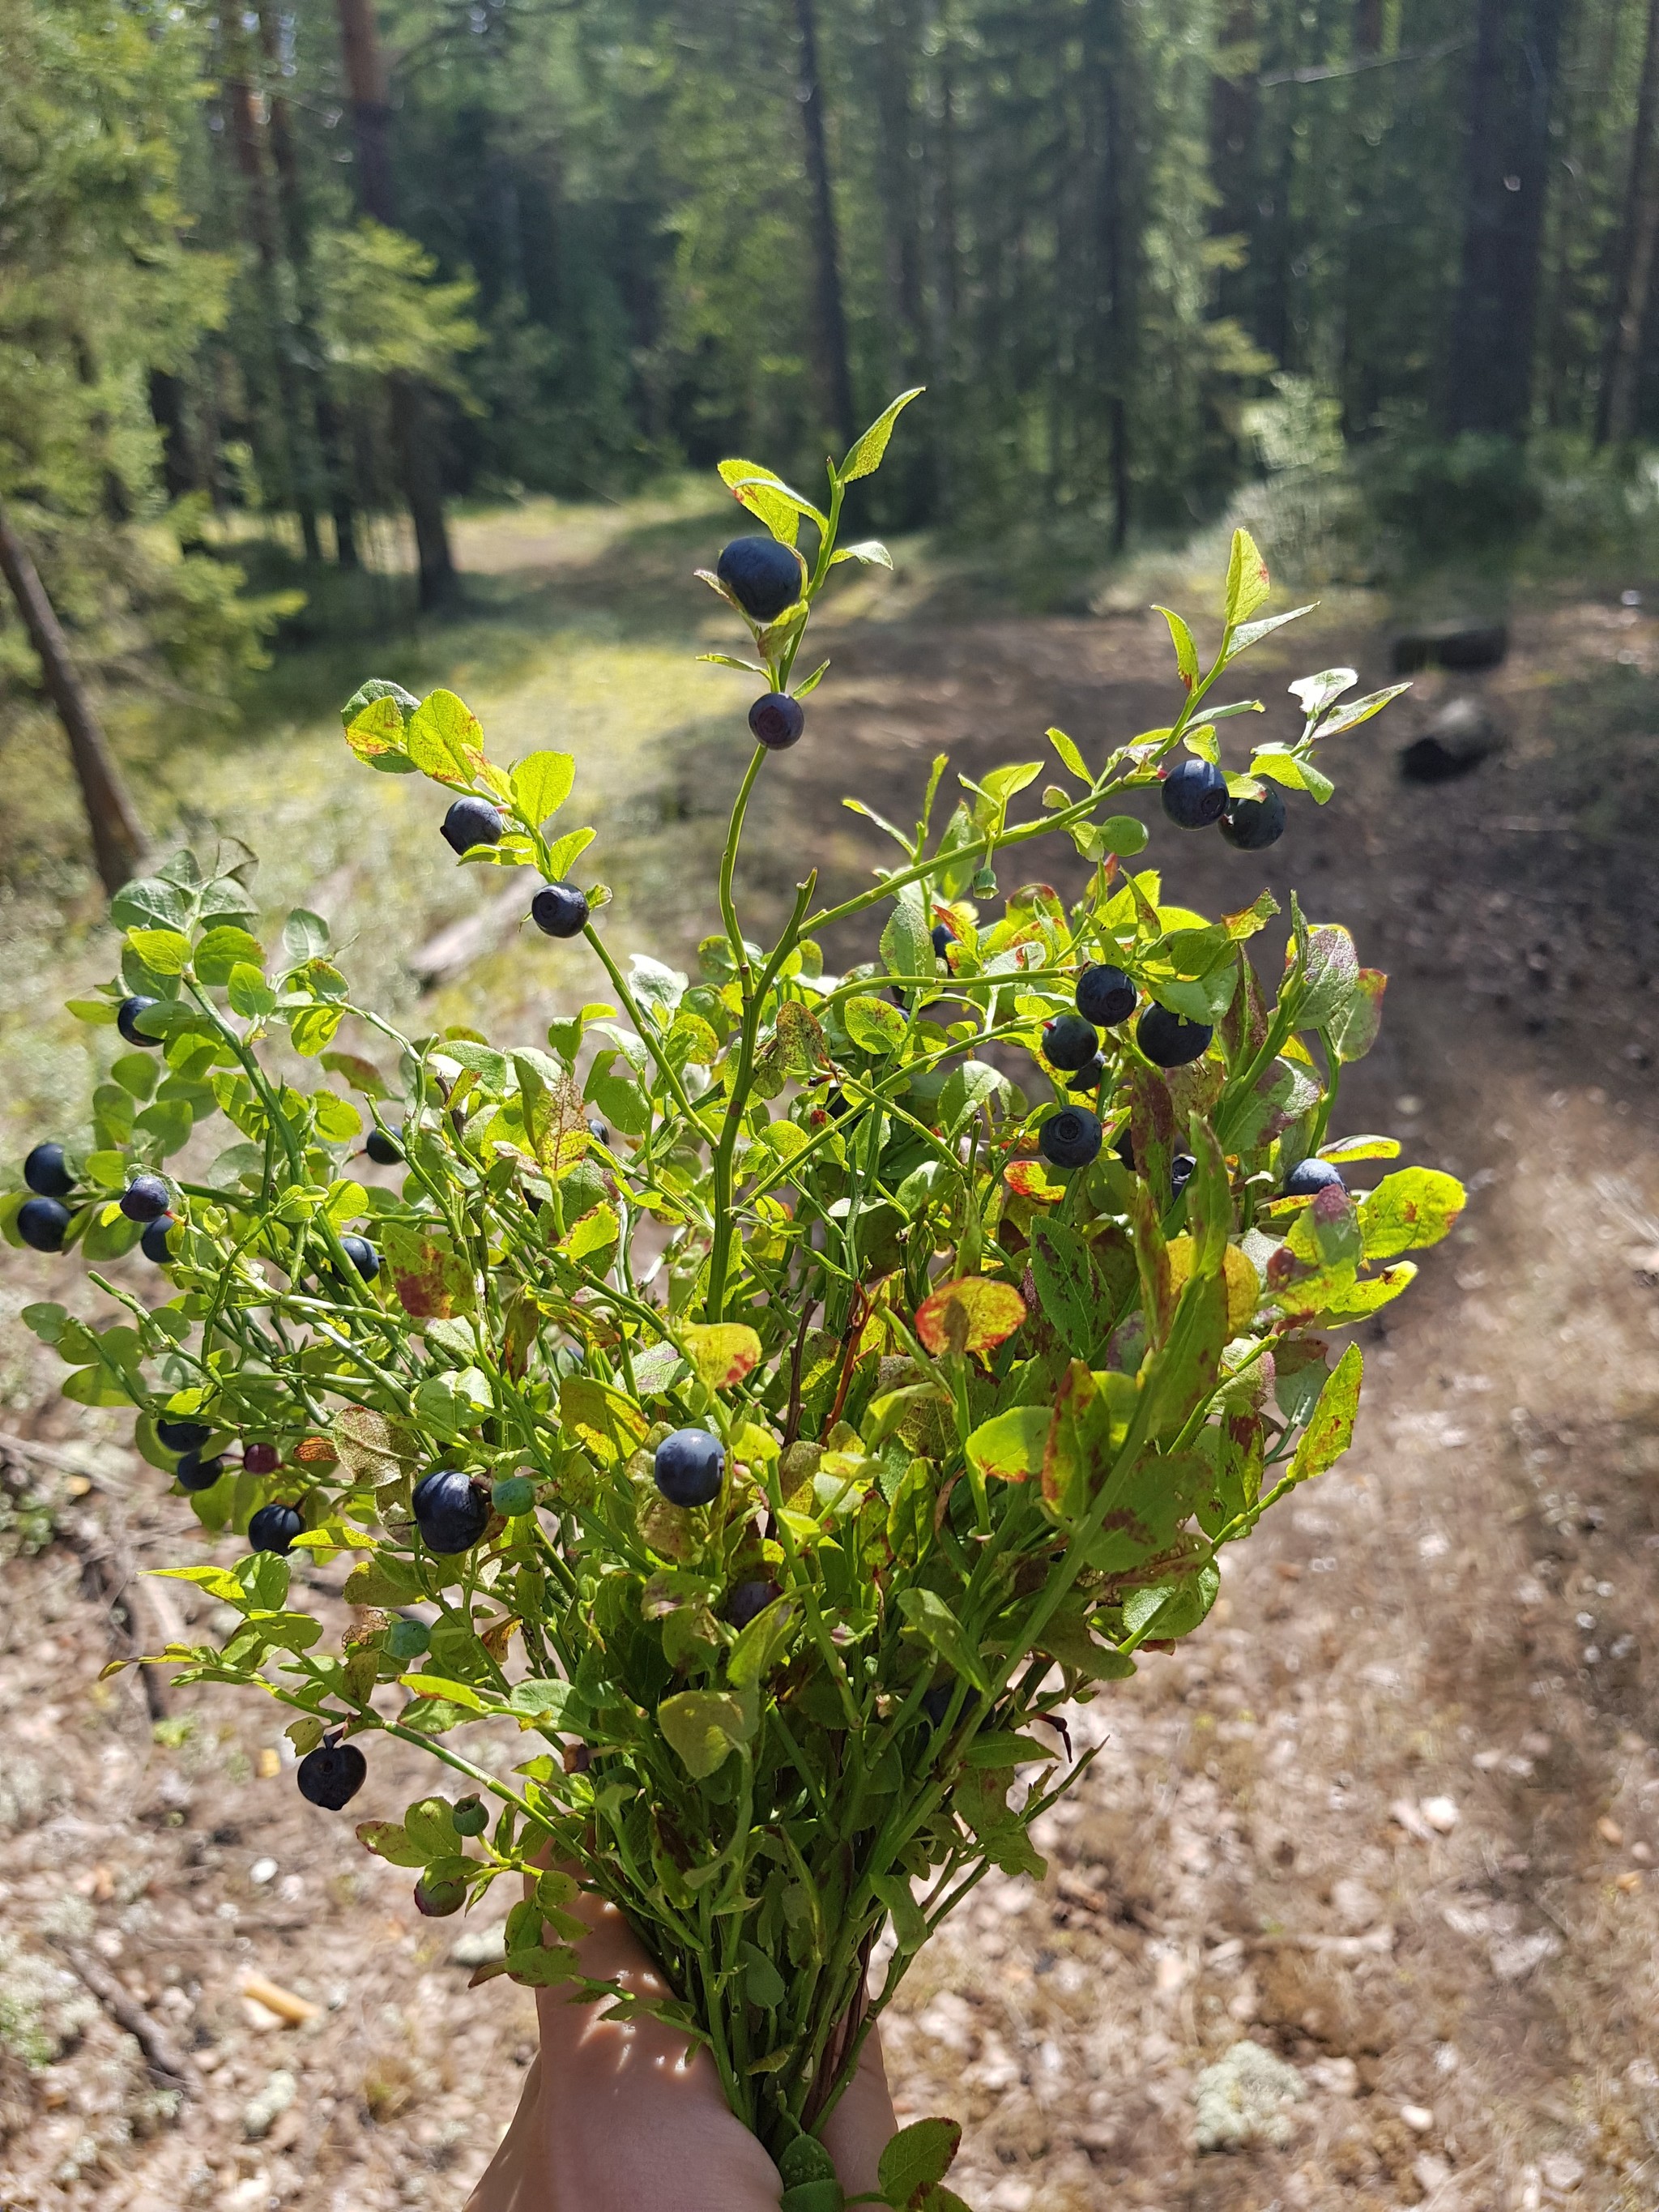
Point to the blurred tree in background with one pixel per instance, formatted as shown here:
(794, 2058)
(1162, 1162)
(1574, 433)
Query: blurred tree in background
(331, 265)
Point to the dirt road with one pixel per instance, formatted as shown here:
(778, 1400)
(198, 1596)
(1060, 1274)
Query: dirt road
(1391, 1816)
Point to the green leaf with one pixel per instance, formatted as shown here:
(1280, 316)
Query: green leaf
(865, 457)
(1416, 1208)
(542, 782)
(870, 550)
(445, 739)
(762, 1644)
(1181, 638)
(1353, 1030)
(305, 936)
(166, 951)
(907, 942)
(925, 1612)
(432, 1282)
(1068, 1290)
(1313, 693)
(766, 494)
(1250, 634)
(313, 1028)
(1330, 1430)
(1174, 1607)
(1010, 1445)
(337, 1119)
(391, 1841)
(1066, 748)
(250, 995)
(220, 950)
(910, 1925)
(1279, 765)
(1359, 710)
(453, 1693)
(547, 1705)
(1248, 582)
(704, 1726)
(875, 1025)
(762, 1984)
(151, 903)
(916, 2160)
(1330, 973)
(723, 1352)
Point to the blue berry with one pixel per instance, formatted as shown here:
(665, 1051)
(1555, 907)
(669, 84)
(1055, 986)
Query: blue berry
(1251, 824)
(689, 1466)
(1105, 996)
(195, 1473)
(1194, 793)
(762, 575)
(745, 1599)
(43, 1171)
(559, 910)
(383, 1148)
(942, 941)
(471, 822)
(776, 721)
(1071, 1139)
(362, 1255)
(146, 1198)
(43, 1224)
(1309, 1176)
(1181, 1173)
(1168, 1040)
(450, 1512)
(126, 1017)
(181, 1435)
(332, 1775)
(154, 1242)
(274, 1528)
(438, 1900)
(599, 1131)
(1069, 1042)
(1089, 1078)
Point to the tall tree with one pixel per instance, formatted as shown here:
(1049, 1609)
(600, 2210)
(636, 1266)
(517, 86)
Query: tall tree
(1638, 242)
(1510, 83)
(834, 365)
(370, 93)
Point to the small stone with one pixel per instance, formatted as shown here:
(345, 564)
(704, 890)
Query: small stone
(1337, 2077)
(1355, 1907)
(1441, 1814)
(1430, 2172)
(1240, 2100)
(262, 1871)
(1417, 2117)
(260, 2111)
(479, 1946)
(1561, 2171)
(1609, 1831)
(1642, 1853)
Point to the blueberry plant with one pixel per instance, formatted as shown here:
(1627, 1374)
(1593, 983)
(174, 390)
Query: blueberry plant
(752, 1393)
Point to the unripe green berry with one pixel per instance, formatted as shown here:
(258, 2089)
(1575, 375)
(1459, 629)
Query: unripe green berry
(513, 1494)
(470, 1816)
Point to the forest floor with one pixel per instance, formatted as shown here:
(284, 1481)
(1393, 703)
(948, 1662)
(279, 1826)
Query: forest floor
(1392, 1816)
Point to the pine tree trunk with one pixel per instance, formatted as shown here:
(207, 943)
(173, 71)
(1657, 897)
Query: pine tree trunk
(412, 414)
(1107, 34)
(296, 231)
(1615, 413)
(837, 375)
(1511, 84)
(247, 138)
(118, 838)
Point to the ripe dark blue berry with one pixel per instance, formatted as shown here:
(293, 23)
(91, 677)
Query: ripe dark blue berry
(450, 1511)
(559, 910)
(332, 1775)
(745, 1600)
(1069, 1042)
(471, 1816)
(126, 1017)
(43, 1171)
(1181, 1173)
(274, 1528)
(154, 1242)
(181, 1435)
(383, 1148)
(471, 822)
(362, 1255)
(195, 1473)
(1089, 1078)
(146, 1198)
(1169, 1042)
(1194, 793)
(598, 1130)
(762, 575)
(1071, 1139)
(937, 1703)
(43, 1224)
(942, 941)
(1105, 996)
(776, 721)
(261, 1459)
(689, 1466)
(1308, 1177)
(1253, 825)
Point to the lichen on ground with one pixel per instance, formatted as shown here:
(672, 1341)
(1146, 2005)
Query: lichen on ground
(1241, 2099)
